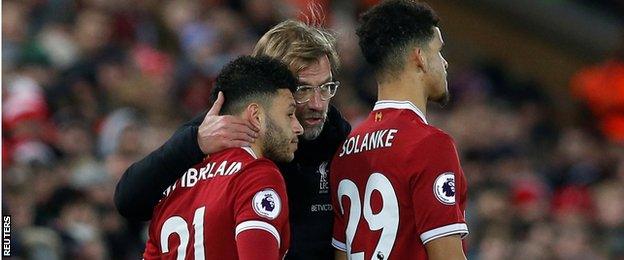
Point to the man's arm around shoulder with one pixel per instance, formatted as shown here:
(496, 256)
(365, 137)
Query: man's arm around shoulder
(142, 184)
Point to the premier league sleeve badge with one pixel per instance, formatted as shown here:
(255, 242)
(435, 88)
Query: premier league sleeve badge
(267, 203)
(444, 188)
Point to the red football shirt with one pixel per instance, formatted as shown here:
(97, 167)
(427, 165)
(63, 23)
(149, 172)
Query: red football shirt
(396, 184)
(227, 194)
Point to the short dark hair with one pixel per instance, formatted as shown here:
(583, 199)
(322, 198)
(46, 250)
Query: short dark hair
(251, 79)
(388, 29)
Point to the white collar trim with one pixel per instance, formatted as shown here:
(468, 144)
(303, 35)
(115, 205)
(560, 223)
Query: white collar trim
(383, 104)
(250, 151)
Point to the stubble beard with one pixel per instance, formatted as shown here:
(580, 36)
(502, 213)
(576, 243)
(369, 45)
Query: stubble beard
(313, 132)
(276, 144)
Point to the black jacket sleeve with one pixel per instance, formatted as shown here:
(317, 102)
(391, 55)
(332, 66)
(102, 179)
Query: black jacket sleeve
(142, 184)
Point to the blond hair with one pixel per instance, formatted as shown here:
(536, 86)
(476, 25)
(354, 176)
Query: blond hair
(298, 44)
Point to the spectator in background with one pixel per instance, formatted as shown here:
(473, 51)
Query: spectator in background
(601, 88)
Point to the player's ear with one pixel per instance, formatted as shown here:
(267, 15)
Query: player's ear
(255, 115)
(417, 57)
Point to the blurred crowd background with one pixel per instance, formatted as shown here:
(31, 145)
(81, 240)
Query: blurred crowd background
(90, 86)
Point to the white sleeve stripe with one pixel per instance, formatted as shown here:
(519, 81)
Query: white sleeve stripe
(255, 224)
(339, 245)
(458, 228)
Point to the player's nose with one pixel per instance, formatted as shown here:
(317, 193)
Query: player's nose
(296, 127)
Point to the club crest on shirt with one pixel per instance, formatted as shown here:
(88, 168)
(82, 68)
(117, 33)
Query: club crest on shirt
(378, 116)
(444, 188)
(323, 182)
(266, 203)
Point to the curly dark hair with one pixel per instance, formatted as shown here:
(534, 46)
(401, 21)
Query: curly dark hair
(388, 29)
(251, 79)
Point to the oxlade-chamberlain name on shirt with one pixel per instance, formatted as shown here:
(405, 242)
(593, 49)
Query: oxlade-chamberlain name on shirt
(370, 141)
(192, 176)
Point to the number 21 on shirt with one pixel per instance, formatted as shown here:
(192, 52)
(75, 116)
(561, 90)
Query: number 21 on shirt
(387, 219)
(177, 225)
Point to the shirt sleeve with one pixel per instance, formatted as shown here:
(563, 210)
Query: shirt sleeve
(256, 244)
(261, 203)
(438, 189)
(135, 198)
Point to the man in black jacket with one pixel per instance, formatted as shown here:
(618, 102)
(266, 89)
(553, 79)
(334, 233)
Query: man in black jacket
(310, 53)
